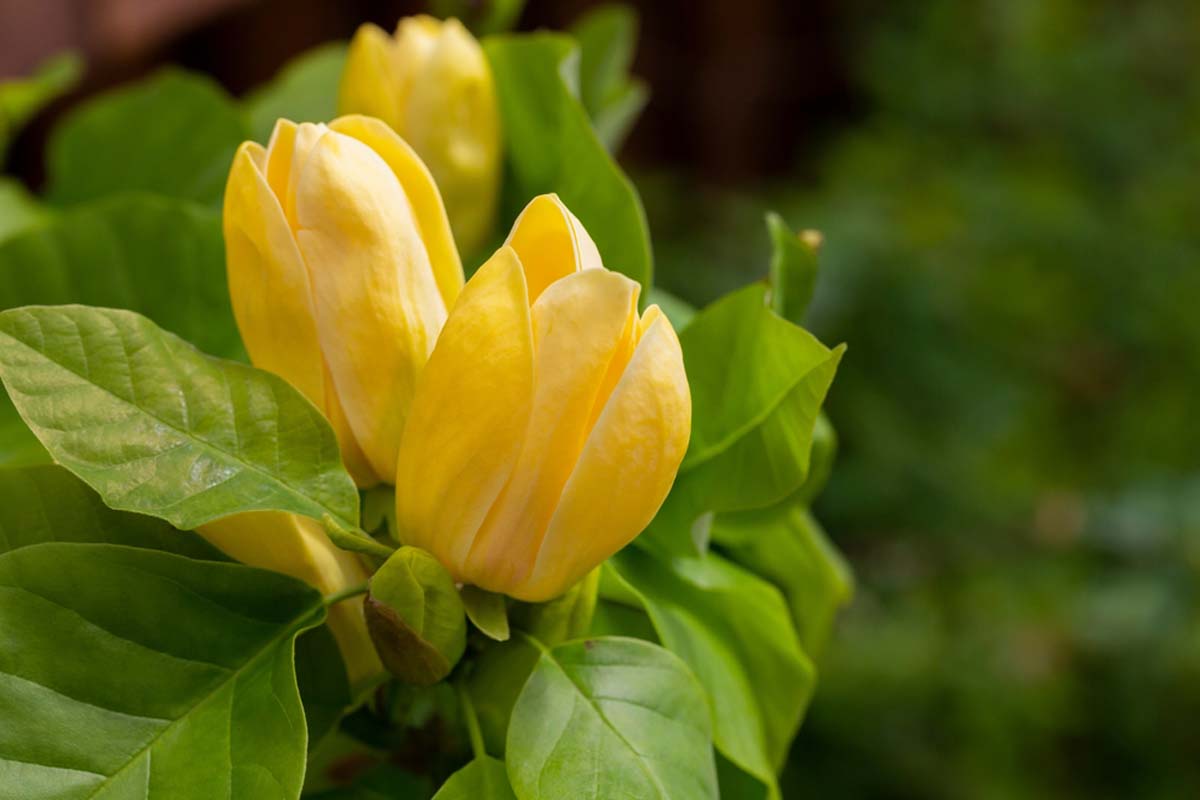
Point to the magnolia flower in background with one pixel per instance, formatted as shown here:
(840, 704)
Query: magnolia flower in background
(431, 82)
(297, 546)
(550, 421)
(342, 268)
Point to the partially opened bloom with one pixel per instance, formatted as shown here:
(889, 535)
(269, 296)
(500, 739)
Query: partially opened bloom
(550, 421)
(341, 269)
(431, 82)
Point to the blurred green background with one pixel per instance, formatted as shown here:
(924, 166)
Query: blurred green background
(1012, 252)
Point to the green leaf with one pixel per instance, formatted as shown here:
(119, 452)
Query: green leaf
(416, 617)
(793, 270)
(680, 312)
(734, 630)
(488, 611)
(18, 208)
(305, 90)
(46, 503)
(568, 616)
(551, 147)
(785, 545)
(173, 134)
(820, 461)
(482, 17)
(22, 98)
(607, 37)
(750, 447)
(115, 253)
(157, 427)
(135, 673)
(322, 681)
(495, 681)
(482, 779)
(161, 257)
(611, 717)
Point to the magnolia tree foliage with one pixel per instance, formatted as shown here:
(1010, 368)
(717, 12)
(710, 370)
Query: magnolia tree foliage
(358, 455)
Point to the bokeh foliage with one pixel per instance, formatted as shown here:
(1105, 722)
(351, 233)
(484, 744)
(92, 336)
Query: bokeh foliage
(1012, 230)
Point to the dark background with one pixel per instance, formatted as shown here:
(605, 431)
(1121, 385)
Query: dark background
(1009, 194)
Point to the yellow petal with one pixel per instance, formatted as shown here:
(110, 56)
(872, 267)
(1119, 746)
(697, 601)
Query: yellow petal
(353, 457)
(451, 118)
(370, 83)
(469, 415)
(413, 43)
(268, 283)
(378, 309)
(297, 546)
(626, 468)
(422, 194)
(580, 324)
(551, 243)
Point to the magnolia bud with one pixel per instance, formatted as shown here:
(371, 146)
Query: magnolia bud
(416, 618)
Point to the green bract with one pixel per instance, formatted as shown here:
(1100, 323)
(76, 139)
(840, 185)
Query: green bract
(416, 617)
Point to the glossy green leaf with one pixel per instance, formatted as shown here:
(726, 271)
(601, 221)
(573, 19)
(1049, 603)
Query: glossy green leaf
(750, 447)
(786, 545)
(734, 630)
(135, 673)
(305, 90)
(488, 611)
(551, 147)
(46, 503)
(22, 98)
(612, 717)
(173, 134)
(482, 779)
(157, 427)
(607, 37)
(18, 208)
(793, 269)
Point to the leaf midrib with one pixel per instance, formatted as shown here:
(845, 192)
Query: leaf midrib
(294, 627)
(732, 438)
(188, 435)
(638, 758)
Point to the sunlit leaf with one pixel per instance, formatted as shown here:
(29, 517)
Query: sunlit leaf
(157, 427)
(757, 383)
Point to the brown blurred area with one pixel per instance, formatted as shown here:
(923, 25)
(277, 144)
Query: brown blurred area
(740, 90)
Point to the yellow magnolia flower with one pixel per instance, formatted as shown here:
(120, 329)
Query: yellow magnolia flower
(431, 82)
(550, 421)
(298, 546)
(341, 270)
